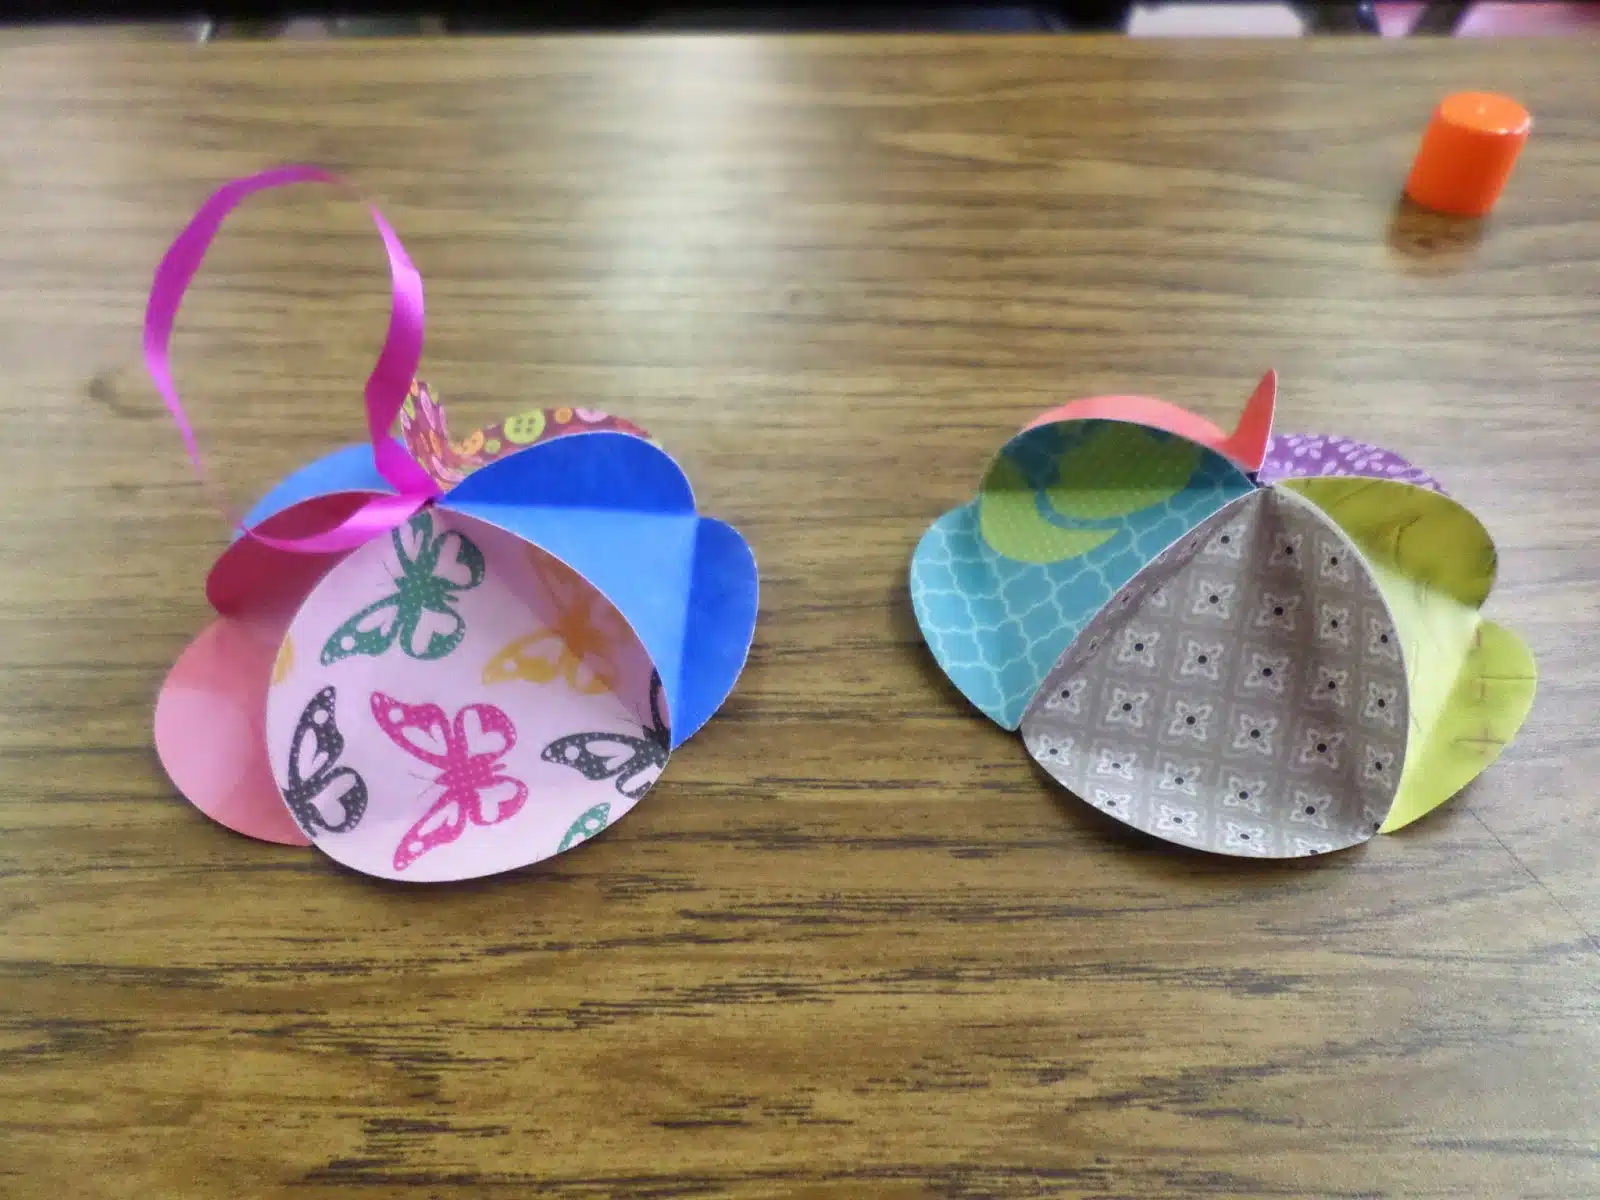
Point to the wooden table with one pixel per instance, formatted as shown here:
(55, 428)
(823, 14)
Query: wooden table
(854, 945)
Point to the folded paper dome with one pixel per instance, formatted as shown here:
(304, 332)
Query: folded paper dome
(1252, 645)
(439, 659)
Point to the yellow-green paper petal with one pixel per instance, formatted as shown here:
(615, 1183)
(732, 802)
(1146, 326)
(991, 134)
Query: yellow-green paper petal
(1471, 682)
(1490, 700)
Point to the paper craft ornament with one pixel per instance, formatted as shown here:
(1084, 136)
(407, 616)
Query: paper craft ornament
(439, 659)
(1256, 645)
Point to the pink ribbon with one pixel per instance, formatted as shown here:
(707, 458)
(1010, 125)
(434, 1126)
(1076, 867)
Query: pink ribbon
(387, 386)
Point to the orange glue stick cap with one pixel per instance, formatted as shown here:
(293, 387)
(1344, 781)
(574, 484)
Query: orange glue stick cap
(1467, 153)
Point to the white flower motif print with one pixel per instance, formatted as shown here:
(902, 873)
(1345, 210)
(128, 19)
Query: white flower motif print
(1330, 688)
(1244, 839)
(1286, 550)
(1381, 705)
(1372, 460)
(1381, 640)
(1266, 673)
(1117, 803)
(1116, 762)
(1377, 769)
(1276, 612)
(1320, 748)
(1189, 720)
(1178, 777)
(1178, 822)
(1212, 598)
(1255, 732)
(1158, 599)
(1310, 808)
(1305, 445)
(1138, 647)
(1068, 698)
(1052, 751)
(1229, 543)
(1126, 708)
(1305, 847)
(1333, 624)
(1244, 793)
(1201, 660)
(1333, 561)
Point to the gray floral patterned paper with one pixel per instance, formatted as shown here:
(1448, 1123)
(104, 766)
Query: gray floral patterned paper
(1245, 694)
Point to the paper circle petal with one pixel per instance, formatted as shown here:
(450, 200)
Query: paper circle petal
(1471, 681)
(1067, 514)
(427, 437)
(620, 510)
(460, 704)
(1245, 694)
(210, 728)
(251, 575)
(1293, 455)
(348, 469)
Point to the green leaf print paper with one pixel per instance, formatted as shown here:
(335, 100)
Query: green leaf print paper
(1066, 515)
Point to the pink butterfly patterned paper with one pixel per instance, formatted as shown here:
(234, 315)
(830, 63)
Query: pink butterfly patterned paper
(467, 753)
(401, 634)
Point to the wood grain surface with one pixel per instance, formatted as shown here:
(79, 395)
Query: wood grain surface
(853, 945)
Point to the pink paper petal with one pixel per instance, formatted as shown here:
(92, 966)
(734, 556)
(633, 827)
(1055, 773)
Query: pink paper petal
(211, 720)
(252, 576)
(512, 720)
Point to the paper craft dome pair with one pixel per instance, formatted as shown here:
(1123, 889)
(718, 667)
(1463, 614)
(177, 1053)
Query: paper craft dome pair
(1253, 645)
(438, 659)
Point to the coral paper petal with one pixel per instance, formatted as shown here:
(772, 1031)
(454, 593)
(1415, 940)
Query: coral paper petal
(252, 574)
(211, 727)
(1246, 446)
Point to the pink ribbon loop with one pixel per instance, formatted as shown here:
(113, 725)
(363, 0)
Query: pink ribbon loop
(387, 386)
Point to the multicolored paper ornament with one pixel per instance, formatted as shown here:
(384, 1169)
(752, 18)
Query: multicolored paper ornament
(438, 659)
(1252, 645)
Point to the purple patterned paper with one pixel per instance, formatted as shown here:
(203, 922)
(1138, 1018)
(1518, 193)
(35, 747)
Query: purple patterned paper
(1293, 454)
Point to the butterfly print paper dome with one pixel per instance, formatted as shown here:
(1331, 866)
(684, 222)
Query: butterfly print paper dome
(1253, 645)
(441, 658)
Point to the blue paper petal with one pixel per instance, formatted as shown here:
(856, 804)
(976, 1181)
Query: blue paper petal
(348, 470)
(603, 469)
(722, 623)
(997, 625)
(618, 510)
